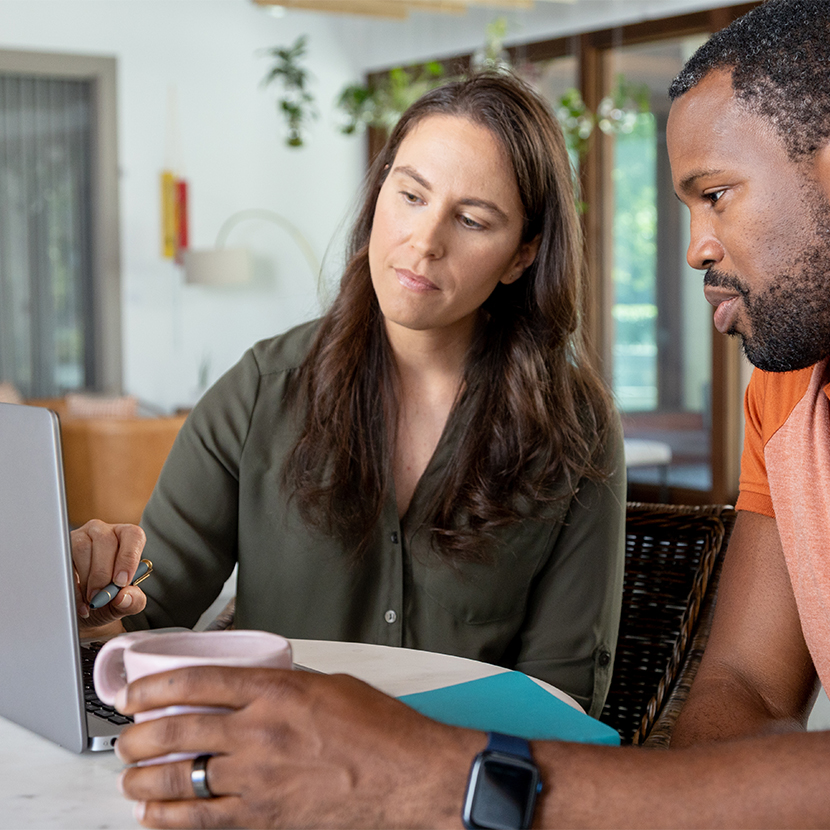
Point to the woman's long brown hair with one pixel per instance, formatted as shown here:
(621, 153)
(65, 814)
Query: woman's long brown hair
(537, 412)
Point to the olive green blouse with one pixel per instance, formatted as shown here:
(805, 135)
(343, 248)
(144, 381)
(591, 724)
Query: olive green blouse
(549, 605)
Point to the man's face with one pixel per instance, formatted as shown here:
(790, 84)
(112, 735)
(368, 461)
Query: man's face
(760, 226)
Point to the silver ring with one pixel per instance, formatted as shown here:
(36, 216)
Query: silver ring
(198, 777)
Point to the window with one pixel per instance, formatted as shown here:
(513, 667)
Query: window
(661, 349)
(59, 284)
(676, 379)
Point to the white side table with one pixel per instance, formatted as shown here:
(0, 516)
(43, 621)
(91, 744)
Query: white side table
(643, 453)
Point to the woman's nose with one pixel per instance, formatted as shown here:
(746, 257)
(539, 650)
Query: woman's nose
(428, 234)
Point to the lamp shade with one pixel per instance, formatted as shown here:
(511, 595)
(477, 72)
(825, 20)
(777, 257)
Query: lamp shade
(217, 266)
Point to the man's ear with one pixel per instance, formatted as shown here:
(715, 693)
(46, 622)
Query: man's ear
(822, 169)
(524, 259)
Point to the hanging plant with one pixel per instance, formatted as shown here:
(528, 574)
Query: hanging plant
(493, 56)
(628, 106)
(382, 103)
(576, 120)
(295, 102)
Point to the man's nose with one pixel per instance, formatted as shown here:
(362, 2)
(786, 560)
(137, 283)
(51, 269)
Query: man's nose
(705, 249)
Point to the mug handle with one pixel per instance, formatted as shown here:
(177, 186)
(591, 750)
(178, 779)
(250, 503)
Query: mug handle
(108, 673)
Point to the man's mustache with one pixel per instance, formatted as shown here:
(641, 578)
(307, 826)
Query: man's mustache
(720, 279)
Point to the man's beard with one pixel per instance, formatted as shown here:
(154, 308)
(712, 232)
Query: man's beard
(790, 320)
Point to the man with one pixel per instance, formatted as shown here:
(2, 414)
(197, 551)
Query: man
(749, 143)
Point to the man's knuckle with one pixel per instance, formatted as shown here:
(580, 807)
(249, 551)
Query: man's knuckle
(175, 780)
(187, 684)
(206, 813)
(172, 731)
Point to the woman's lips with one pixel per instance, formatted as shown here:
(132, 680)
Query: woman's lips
(726, 303)
(414, 282)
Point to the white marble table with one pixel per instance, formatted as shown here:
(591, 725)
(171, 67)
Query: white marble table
(43, 785)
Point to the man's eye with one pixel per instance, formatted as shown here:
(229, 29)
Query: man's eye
(714, 196)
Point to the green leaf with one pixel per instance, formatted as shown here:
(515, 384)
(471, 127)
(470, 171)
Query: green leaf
(295, 101)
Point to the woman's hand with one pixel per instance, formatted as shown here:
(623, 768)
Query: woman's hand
(299, 750)
(104, 553)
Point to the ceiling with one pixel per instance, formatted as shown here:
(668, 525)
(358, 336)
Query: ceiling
(378, 41)
(400, 9)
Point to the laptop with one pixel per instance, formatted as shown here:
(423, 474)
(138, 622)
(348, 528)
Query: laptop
(41, 679)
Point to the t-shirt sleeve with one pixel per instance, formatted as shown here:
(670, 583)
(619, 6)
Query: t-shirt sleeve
(754, 493)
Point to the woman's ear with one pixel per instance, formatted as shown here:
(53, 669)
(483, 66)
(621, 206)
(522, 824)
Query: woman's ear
(523, 260)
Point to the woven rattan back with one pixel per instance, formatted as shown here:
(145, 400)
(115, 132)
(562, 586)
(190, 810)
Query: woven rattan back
(672, 561)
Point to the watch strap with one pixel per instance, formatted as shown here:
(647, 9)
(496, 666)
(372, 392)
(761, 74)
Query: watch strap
(509, 745)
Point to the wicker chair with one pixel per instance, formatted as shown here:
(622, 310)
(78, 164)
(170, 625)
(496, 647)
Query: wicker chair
(673, 561)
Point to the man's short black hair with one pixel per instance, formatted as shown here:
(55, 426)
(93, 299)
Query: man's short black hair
(779, 55)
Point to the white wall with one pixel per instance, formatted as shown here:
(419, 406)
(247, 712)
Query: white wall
(233, 156)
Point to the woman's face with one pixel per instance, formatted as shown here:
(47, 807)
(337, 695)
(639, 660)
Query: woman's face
(447, 228)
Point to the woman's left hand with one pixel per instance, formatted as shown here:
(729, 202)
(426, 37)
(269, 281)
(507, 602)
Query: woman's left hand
(299, 750)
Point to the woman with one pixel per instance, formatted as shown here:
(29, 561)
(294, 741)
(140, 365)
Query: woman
(434, 464)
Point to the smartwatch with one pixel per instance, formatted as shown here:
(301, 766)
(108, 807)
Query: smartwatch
(503, 785)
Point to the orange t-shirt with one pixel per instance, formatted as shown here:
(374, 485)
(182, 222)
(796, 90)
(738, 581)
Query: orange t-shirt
(785, 473)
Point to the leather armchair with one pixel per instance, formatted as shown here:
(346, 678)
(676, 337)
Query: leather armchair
(111, 465)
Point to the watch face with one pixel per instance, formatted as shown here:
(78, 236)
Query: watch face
(505, 793)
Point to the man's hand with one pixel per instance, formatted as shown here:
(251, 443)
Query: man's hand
(299, 750)
(104, 553)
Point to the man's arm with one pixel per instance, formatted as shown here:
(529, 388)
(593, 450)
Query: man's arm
(310, 750)
(774, 781)
(756, 675)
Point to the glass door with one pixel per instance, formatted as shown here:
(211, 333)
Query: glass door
(661, 347)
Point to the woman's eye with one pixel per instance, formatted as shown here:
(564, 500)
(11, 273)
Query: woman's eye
(471, 223)
(410, 197)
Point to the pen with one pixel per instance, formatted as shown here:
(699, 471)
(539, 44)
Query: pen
(105, 595)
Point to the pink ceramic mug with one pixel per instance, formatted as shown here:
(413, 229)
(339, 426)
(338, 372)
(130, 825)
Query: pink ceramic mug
(131, 656)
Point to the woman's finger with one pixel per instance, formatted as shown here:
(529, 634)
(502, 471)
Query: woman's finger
(103, 554)
(128, 601)
(131, 541)
(81, 545)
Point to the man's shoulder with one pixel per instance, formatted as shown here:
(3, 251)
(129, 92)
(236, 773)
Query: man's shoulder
(772, 397)
(285, 351)
(792, 384)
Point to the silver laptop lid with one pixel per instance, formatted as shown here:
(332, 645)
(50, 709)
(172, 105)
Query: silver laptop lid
(40, 673)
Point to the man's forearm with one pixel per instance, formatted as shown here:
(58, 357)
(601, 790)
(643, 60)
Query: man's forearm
(778, 781)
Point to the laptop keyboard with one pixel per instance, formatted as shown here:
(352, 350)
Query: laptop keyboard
(89, 651)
